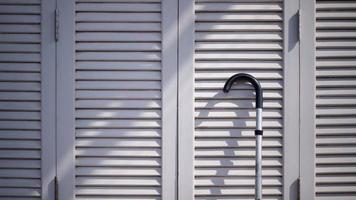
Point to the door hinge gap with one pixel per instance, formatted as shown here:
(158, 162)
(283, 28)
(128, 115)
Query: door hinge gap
(298, 190)
(56, 24)
(56, 188)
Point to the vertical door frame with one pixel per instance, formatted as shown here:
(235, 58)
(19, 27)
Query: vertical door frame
(169, 10)
(48, 99)
(66, 100)
(186, 100)
(307, 99)
(291, 99)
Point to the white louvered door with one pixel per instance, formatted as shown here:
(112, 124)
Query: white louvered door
(20, 114)
(235, 37)
(335, 100)
(26, 89)
(117, 109)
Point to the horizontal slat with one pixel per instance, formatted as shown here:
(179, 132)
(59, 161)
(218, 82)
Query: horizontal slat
(117, 17)
(242, 162)
(110, 142)
(238, 56)
(342, 73)
(229, 104)
(117, 37)
(19, 57)
(20, 28)
(134, 123)
(117, 7)
(214, 16)
(335, 101)
(238, 36)
(113, 171)
(239, 171)
(216, 26)
(117, 94)
(20, 9)
(336, 34)
(20, 154)
(238, 6)
(118, 65)
(130, 76)
(20, 116)
(334, 25)
(329, 150)
(237, 65)
(134, 104)
(118, 85)
(228, 46)
(98, 47)
(126, 56)
(23, 48)
(20, 96)
(20, 106)
(122, 182)
(336, 15)
(116, 1)
(20, 67)
(19, 134)
(119, 114)
(227, 191)
(235, 94)
(20, 173)
(234, 143)
(336, 160)
(235, 133)
(122, 191)
(241, 114)
(338, 170)
(228, 152)
(330, 63)
(20, 144)
(20, 192)
(335, 5)
(20, 19)
(113, 152)
(28, 183)
(121, 162)
(119, 26)
(219, 84)
(219, 75)
(118, 133)
(19, 77)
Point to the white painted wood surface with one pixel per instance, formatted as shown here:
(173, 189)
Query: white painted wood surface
(335, 100)
(140, 110)
(234, 37)
(126, 99)
(20, 100)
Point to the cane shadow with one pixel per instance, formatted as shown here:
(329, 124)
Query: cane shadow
(239, 105)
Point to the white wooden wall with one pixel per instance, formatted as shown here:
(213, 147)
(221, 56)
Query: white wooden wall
(128, 102)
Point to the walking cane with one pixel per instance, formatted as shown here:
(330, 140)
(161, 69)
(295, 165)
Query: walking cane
(258, 132)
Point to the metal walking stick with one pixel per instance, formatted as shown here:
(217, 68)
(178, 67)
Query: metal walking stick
(258, 132)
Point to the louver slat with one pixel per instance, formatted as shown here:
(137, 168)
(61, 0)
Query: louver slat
(233, 37)
(20, 128)
(118, 99)
(335, 100)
